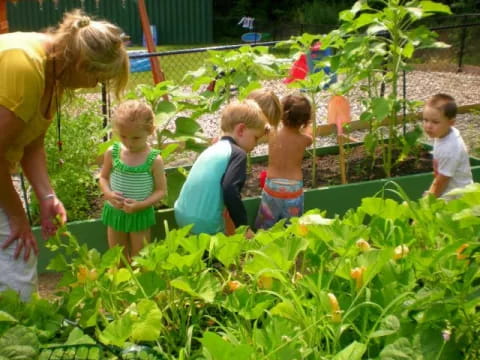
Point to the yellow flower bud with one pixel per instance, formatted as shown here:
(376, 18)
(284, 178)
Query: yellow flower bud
(265, 282)
(400, 252)
(336, 313)
(460, 250)
(362, 245)
(357, 274)
(234, 285)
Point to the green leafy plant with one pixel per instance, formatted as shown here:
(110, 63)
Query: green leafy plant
(374, 44)
(72, 169)
(388, 278)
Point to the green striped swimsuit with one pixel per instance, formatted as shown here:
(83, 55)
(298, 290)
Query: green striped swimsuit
(134, 182)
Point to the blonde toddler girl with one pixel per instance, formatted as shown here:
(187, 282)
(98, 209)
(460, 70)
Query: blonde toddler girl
(132, 179)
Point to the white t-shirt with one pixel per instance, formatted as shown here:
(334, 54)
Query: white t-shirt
(450, 158)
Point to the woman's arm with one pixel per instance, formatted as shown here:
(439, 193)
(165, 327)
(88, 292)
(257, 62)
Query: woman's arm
(10, 129)
(34, 165)
(160, 183)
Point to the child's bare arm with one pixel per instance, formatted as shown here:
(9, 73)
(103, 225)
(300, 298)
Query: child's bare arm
(439, 185)
(115, 198)
(307, 132)
(160, 183)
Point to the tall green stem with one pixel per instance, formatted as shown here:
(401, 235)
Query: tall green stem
(314, 143)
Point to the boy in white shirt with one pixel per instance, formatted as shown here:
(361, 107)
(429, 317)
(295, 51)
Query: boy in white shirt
(451, 164)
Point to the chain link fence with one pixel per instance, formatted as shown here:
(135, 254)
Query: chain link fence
(462, 55)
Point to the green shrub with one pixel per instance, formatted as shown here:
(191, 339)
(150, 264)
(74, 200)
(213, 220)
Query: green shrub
(72, 170)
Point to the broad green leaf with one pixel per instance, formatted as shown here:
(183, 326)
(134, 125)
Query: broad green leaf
(468, 217)
(415, 12)
(275, 258)
(6, 317)
(121, 276)
(252, 313)
(314, 219)
(285, 309)
(380, 108)
(186, 126)
(151, 282)
(117, 332)
(249, 88)
(19, 343)
(149, 322)
(383, 208)
(389, 325)
(58, 263)
(401, 349)
(228, 248)
(470, 194)
(105, 146)
(354, 351)
(168, 150)
(175, 180)
(376, 28)
(431, 6)
(363, 20)
(220, 349)
(346, 15)
(77, 336)
(408, 50)
(184, 263)
(205, 287)
(165, 107)
(111, 258)
(195, 243)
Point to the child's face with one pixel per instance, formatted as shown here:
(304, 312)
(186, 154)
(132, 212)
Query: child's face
(247, 138)
(132, 136)
(435, 123)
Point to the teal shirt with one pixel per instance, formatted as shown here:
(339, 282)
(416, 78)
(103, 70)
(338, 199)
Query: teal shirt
(201, 199)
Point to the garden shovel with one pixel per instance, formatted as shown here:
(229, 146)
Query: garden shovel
(339, 114)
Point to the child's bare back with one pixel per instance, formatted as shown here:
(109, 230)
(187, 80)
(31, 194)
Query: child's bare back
(286, 148)
(282, 195)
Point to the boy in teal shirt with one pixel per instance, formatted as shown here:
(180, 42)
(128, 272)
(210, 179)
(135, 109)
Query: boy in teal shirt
(218, 175)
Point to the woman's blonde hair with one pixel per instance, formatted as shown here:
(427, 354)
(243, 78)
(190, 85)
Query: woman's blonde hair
(269, 103)
(134, 112)
(92, 46)
(247, 112)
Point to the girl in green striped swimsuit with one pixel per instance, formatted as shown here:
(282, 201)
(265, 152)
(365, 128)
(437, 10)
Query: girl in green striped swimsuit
(132, 179)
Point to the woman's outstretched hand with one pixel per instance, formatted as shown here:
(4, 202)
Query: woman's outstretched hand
(21, 233)
(52, 215)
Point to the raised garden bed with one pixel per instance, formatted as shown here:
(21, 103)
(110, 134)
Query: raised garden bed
(335, 200)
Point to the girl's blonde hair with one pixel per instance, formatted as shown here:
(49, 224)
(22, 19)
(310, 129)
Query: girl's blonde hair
(247, 112)
(134, 112)
(269, 103)
(92, 46)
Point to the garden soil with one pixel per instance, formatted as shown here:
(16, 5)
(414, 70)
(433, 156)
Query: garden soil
(359, 167)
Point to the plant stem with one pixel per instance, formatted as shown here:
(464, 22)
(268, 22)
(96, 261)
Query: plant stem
(441, 350)
(314, 142)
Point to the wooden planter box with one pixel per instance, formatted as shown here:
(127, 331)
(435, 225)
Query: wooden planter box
(334, 199)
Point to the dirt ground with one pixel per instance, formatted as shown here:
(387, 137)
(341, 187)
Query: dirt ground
(359, 167)
(47, 283)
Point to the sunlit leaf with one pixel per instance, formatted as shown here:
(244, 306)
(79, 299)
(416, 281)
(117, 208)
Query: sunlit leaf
(149, 322)
(354, 351)
(220, 349)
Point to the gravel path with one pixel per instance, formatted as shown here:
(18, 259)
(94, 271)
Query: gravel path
(421, 85)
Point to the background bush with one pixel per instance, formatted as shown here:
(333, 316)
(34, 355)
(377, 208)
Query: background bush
(72, 170)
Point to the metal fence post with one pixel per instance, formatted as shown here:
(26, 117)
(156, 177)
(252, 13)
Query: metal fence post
(463, 37)
(105, 108)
